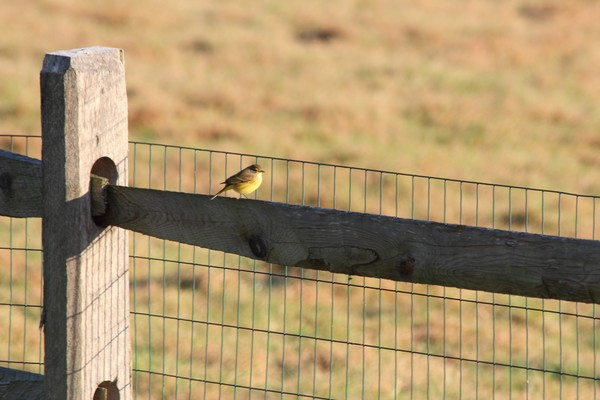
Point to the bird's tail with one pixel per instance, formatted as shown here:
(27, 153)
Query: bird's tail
(219, 192)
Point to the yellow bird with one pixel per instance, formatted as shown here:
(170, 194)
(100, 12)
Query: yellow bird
(244, 182)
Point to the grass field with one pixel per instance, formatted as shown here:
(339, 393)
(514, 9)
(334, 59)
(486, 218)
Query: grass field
(504, 92)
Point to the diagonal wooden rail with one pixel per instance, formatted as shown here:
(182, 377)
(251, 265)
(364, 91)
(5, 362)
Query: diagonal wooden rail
(337, 241)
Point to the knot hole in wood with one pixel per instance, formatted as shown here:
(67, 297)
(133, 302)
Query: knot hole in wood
(6, 180)
(257, 246)
(406, 267)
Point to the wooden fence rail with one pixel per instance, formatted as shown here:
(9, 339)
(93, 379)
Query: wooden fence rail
(359, 244)
(86, 303)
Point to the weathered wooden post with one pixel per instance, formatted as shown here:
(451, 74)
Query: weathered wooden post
(86, 279)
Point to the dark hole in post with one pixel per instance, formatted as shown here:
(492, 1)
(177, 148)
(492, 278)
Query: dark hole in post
(107, 390)
(105, 168)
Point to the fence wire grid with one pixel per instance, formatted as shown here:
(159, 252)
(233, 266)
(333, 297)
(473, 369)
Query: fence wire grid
(205, 324)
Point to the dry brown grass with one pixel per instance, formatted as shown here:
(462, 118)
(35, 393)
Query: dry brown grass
(504, 92)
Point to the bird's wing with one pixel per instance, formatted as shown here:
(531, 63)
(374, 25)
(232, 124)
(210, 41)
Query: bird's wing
(240, 177)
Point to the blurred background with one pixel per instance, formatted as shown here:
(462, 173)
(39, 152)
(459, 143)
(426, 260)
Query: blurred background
(503, 92)
(473, 90)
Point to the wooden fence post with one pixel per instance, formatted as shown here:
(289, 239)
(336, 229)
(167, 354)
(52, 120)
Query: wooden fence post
(86, 279)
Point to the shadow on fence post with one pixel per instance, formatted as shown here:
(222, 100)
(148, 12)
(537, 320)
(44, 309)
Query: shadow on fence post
(86, 279)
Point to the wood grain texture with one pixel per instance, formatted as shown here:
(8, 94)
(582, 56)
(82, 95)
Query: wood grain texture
(20, 385)
(20, 185)
(86, 280)
(366, 245)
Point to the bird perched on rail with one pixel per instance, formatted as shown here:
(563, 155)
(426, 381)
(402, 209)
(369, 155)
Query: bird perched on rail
(244, 182)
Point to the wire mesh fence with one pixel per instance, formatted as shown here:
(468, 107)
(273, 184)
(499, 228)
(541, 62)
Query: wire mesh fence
(250, 328)
(21, 278)
(206, 324)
